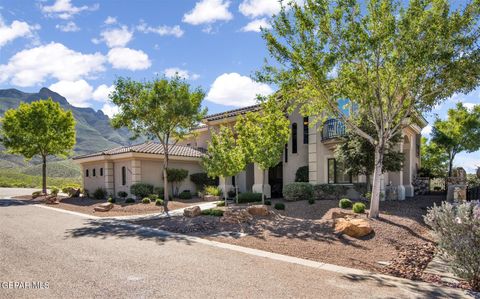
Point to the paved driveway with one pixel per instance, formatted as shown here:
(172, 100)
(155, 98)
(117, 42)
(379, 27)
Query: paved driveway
(81, 257)
(9, 192)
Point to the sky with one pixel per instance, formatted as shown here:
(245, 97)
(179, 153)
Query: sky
(77, 48)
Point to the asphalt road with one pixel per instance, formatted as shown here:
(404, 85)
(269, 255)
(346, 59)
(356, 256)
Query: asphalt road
(81, 257)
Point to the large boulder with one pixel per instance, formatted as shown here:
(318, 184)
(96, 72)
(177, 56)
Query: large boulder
(356, 228)
(341, 214)
(104, 207)
(258, 210)
(192, 211)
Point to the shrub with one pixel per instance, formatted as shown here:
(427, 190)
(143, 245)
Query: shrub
(159, 191)
(153, 197)
(129, 200)
(146, 200)
(213, 190)
(297, 191)
(221, 204)
(176, 175)
(122, 194)
(185, 194)
(368, 196)
(201, 179)
(100, 193)
(249, 197)
(36, 194)
(279, 206)
(311, 200)
(72, 190)
(329, 191)
(159, 202)
(268, 202)
(358, 207)
(345, 203)
(302, 174)
(54, 191)
(141, 190)
(213, 212)
(111, 200)
(457, 227)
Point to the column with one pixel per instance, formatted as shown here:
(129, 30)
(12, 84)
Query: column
(109, 178)
(225, 183)
(259, 176)
(136, 171)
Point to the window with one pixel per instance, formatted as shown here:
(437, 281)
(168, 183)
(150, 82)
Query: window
(233, 181)
(336, 173)
(124, 176)
(294, 138)
(286, 152)
(86, 173)
(93, 172)
(101, 171)
(305, 130)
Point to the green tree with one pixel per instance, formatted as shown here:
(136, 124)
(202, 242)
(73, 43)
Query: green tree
(262, 135)
(40, 128)
(458, 133)
(358, 154)
(391, 61)
(224, 157)
(175, 176)
(163, 109)
(434, 160)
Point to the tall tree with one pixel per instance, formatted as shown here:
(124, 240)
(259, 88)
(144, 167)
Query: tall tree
(263, 135)
(224, 156)
(162, 109)
(358, 155)
(390, 61)
(40, 128)
(434, 159)
(459, 132)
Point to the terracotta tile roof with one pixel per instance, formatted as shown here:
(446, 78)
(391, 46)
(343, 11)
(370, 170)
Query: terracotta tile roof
(232, 113)
(150, 148)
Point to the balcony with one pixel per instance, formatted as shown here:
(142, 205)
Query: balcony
(332, 129)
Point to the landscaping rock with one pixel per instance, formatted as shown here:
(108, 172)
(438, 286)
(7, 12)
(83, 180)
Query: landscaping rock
(211, 198)
(104, 207)
(192, 211)
(356, 228)
(51, 200)
(258, 210)
(236, 216)
(336, 215)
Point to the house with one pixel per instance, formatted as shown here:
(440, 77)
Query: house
(117, 169)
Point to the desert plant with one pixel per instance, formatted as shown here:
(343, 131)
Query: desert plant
(54, 191)
(249, 197)
(302, 174)
(311, 200)
(141, 190)
(185, 194)
(213, 190)
(111, 200)
(129, 200)
(159, 202)
(298, 191)
(159, 191)
(122, 194)
(345, 203)
(146, 200)
(358, 207)
(100, 193)
(153, 197)
(36, 194)
(175, 176)
(279, 206)
(221, 204)
(368, 196)
(458, 229)
(268, 202)
(213, 212)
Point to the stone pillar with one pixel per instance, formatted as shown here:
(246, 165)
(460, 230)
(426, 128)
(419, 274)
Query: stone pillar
(136, 171)
(411, 156)
(312, 154)
(397, 178)
(109, 178)
(225, 182)
(259, 176)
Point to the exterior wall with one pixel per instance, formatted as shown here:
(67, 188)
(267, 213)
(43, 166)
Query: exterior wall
(91, 183)
(117, 169)
(300, 158)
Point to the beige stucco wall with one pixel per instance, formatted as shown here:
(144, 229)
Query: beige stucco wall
(301, 157)
(91, 183)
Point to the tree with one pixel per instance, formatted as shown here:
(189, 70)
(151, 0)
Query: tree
(163, 109)
(390, 61)
(358, 154)
(262, 135)
(224, 157)
(176, 175)
(40, 128)
(434, 160)
(459, 132)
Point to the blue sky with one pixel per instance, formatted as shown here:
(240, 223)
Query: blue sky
(77, 48)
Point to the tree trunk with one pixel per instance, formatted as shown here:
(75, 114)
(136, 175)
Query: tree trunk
(165, 182)
(377, 173)
(225, 190)
(44, 174)
(263, 187)
(450, 165)
(236, 190)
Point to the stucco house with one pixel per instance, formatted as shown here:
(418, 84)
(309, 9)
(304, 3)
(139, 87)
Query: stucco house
(118, 168)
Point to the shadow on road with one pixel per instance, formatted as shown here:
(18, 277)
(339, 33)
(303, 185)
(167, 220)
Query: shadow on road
(120, 229)
(16, 202)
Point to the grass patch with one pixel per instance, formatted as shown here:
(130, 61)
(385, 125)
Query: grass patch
(15, 179)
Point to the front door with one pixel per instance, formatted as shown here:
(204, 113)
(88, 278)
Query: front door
(275, 180)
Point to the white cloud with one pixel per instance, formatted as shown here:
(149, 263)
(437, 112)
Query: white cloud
(161, 30)
(15, 30)
(64, 9)
(118, 37)
(68, 27)
(126, 58)
(257, 8)
(255, 25)
(110, 20)
(102, 92)
(170, 72)
(207, 12)
(110, 109)
(33, 66)
(232, 89)
(427, 131)
(77, 92)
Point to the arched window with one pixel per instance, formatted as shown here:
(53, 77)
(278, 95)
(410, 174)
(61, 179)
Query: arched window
(294, 138)
(101, 171)
(124, 176)
(86, 173)
(93, 172)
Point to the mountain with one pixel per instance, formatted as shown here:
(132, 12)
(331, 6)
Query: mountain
(94, 132)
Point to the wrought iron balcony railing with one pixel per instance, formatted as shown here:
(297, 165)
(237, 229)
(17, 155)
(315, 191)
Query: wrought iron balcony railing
(332, 128)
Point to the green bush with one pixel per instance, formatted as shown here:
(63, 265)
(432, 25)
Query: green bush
(297, 191)
(249, 197)
(141, 190)
(268, 202)
(153, 197)
(159, 202)
(111, 200)
(221, 204)
(185, 194)
(100, 193)
(122, 194)
(129, 200)
(279, 206)
(213, 190)
(54, 191)
(329, 191)
(368, 196)
(71, 190)
(201, 180)
(311, 200)
(213, 212)
(345, 203)
(159, 191)
(146, 200)
(36, 194)
(302, 174)
(358, 207)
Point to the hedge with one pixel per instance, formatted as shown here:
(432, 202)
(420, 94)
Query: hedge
(298, 191)
(249, 197)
